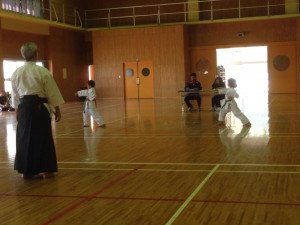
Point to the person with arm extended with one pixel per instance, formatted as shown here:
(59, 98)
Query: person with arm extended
(230, 105)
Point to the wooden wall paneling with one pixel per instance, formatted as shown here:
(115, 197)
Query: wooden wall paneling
(107, 72)
(298, 54)
(263, 31)
(283, 81)
(187, 55)
(172, 55)
(1, 60)
(161, 45)
(69, 56)
(89, 52)
(209, 54)
(11, 46)
(24, 26)
(166, 82)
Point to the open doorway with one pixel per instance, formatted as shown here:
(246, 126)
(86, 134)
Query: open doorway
(9, 66)
(249, 66)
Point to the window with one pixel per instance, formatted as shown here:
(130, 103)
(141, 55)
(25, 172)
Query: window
(29, 7)
(9, 67)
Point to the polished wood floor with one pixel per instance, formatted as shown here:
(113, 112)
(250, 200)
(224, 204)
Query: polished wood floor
(154, 164)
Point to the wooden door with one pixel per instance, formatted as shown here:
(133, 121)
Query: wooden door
(130, 78)
(145, 76)
(138, 77)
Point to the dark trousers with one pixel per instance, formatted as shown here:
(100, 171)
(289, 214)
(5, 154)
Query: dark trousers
(35, 151)
(215, 100)
(192, 97)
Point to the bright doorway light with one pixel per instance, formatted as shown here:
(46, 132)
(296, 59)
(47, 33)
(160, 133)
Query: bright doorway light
(91, 72)
(9, 67)
(249, 66)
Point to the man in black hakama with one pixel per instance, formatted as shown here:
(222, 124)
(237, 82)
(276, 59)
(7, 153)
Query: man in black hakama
(36, 97)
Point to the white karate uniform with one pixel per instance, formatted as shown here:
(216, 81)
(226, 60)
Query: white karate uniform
(35, 94)
(32, 79)
(228, 105)
(90, 107)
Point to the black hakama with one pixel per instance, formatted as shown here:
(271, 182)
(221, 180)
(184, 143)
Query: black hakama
(35, 149)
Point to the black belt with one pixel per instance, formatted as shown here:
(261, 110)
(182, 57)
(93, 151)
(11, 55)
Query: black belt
(33, 98)
(226, 101)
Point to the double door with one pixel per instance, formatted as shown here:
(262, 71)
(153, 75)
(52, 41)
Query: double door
(138, 77)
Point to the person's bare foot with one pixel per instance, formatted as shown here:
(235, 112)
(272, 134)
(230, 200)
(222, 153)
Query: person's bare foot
(220, 123)
(26, 176)
(247, 125)
(30, 176)
(47, 175)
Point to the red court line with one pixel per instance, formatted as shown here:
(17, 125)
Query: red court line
(41, 196)
(96, 197)
(143, 199)
(90, 197)
(154, 199)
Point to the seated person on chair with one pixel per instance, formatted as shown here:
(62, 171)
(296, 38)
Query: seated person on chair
(215, 100)
(4, 102)
(193, 85)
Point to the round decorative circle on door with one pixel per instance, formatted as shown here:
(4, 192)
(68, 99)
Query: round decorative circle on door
(281, 62)
(145, 72)
(129, 72)
(203, 66)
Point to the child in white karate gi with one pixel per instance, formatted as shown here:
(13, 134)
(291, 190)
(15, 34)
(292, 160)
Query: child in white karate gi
(229, 104)
(90, 105)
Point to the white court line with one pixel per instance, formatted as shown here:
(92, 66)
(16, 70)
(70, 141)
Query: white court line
(181, 164)
(121, 135)
(174, 164)
(174, 170)
(60, 135)
(167, 170)
(190, 198)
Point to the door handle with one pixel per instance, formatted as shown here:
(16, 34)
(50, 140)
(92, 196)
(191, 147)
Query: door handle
(137, 81)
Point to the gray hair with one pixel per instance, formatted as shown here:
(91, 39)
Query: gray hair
(29, 50)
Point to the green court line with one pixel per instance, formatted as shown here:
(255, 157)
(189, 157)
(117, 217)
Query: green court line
(190, 198)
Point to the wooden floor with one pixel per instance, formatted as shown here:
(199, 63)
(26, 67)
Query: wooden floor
(154, 164)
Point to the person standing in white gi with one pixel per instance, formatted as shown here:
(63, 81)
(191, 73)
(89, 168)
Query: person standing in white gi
(229, 104)
(35, 96)
(90, 105)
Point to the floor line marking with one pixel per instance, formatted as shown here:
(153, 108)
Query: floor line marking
(155, 199)
(179, 164)
(174, 170)
(187, 164)
(93, 195)
(190, 198)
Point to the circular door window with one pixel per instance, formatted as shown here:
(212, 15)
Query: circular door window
(281, 62)
(129, 72)
(145, 72)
